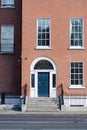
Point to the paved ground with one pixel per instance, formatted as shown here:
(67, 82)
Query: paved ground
(12, 112)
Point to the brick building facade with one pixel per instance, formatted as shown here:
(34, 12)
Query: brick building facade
(43, 48)
(54, 49)
(10, 49)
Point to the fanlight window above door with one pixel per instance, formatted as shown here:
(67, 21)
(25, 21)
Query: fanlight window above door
(43, 64)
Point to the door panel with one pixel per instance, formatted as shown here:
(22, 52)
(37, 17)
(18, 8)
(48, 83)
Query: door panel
(43, 84)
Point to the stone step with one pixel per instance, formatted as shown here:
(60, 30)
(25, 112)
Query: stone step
(39, 101)
(42, 100)
(42, 110)
(42, 104)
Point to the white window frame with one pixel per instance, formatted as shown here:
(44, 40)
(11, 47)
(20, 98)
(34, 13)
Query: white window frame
(2, 39)
(6, 4)
(77, 86)
(43, 47)
(77, 47)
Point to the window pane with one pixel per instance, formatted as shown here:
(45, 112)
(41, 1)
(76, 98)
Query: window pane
(72, 36)
(80, 65)
(43, 64)
(72, 21)
(76, 82)
(80, 35)
(7, 38)
(76, 32)
(54, 80)
(76, 70)
(47, 42)
(72, 76)
(76, 64)
(76, 43)
(80, 70)
(81, 82)
(80, 76)
(43, 36)
(72, 43)
(76, 76)
(39, 36)
(47, 29)
(39, 28)
(43, 32)
(80, 42)
(73, 29)
(72, 70)
(43, 22)
(39, 42)
(43, 28)
(76, 73)
(47, 35)
(76, 28)
(72, 64)
(76, 21)
(72, 82)
(76, 35)
(7, 2)
(43, 42)
(32, 80)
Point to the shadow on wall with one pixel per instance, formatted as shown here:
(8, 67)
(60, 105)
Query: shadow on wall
(25, 92)
(2, 98)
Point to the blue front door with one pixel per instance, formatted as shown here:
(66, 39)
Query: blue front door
(43, 84)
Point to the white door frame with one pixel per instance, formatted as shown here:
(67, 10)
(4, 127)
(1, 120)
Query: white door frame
(34, 91)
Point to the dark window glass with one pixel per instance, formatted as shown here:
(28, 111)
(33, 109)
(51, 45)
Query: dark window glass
(54, 80)
(43, 64)
(32, 80)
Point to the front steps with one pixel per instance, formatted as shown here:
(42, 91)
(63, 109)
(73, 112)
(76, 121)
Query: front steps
(42, 105)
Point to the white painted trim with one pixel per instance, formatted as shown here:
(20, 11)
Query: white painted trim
(34, 91)
(42, 58)
(76, 48)
(43, 48)
(77, 87)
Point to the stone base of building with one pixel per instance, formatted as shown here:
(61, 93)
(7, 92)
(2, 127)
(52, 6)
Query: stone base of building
(75, 103)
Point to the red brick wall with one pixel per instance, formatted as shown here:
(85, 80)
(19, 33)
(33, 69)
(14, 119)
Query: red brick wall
(10, 65)
(60, 12)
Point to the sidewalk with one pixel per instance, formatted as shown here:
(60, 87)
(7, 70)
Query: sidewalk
(60, 113)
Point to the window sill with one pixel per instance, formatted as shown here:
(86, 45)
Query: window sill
(76, 48)
(7, 53)
(43, 48)
(76, 87)
(8, 6)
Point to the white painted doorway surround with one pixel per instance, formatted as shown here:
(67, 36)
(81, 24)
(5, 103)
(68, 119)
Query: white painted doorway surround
(38, 65)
